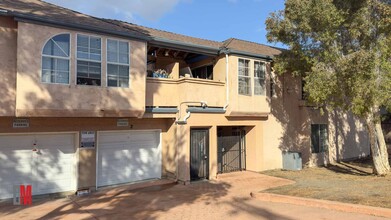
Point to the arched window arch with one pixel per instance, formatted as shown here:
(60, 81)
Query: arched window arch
(55, 59)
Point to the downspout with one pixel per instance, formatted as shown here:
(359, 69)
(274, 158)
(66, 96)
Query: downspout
(226, 81)
(184, 120)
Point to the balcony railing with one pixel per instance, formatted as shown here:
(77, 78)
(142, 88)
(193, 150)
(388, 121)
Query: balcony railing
(171, 92)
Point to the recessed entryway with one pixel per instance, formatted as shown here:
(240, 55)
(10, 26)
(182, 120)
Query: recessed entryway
(199, 154)
(45, 161)
(231, 149)
(128, 156)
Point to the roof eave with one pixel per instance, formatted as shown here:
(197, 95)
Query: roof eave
(37, 20)
(185, 46)
(245, 53)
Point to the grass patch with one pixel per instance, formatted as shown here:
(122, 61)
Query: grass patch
(351, 182)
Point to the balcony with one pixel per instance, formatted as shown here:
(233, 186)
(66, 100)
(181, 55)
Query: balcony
(171, 92)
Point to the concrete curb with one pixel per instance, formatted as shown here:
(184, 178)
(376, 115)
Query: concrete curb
(338, 206)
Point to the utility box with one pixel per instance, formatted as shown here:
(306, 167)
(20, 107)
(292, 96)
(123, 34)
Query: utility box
(291, 160)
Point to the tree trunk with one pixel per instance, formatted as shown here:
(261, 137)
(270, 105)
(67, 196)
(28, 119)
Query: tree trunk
(382, 145)
(379, 152)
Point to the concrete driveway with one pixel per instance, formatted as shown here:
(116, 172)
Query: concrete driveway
(226, 198)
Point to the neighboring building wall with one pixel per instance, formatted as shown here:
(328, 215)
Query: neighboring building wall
(288, 128)
(8, 36)
(35, 98)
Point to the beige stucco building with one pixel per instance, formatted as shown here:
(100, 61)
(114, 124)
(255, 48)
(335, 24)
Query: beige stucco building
(88, 103)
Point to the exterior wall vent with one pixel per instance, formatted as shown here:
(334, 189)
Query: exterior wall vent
(122, 122)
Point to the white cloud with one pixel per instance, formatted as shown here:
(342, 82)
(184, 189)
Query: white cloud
(121, 9)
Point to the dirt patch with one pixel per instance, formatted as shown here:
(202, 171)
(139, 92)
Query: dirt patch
(351, 182)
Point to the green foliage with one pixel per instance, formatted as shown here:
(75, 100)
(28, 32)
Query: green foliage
(341, 47)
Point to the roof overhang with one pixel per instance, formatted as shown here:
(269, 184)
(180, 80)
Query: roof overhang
(54, 23)
(245, 53)
(184, 46)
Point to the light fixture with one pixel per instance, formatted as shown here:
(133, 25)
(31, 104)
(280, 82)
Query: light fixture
(166, 53)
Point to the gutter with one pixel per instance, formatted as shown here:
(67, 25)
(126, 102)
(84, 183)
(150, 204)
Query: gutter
(205, 110)
(184, 46)
(4, 12)
(244, 53)
(161, 110)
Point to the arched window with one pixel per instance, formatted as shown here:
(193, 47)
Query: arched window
(55, 60)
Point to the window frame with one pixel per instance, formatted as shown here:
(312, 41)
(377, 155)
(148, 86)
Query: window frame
(206, 68)
(248, 77)
(321, 148)
(57, 57)
(88, 60)
(264, 77)
(121, 64)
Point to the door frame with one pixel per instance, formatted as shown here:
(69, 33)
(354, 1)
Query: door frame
(117, 131)
(242, 151)
(207, 129)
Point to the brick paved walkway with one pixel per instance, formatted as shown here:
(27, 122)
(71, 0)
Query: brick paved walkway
(228, 197)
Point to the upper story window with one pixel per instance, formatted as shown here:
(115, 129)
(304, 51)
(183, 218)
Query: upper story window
(117, 63)
(55, 60)
(203, 72)
(89, 60)
(244, 77)
(259, 78)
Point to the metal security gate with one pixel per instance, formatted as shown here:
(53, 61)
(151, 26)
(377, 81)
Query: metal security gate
(232, 151)
(199, 151)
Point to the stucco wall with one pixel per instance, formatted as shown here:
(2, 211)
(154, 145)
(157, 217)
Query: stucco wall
(246, 103)
(35, 98)
(289, 128)
(8, 36)
(254, 144)
(87, 157)
(171, 92)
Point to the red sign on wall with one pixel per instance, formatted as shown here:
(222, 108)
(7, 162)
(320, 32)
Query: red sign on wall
(22, 195)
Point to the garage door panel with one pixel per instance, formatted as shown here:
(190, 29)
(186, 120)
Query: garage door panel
(20, 142)
(146, 144)
(54, 186)
(50, 169)
(139, 158)
(113, 137)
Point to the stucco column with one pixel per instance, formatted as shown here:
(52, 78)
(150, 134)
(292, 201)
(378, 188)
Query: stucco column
(183, 153)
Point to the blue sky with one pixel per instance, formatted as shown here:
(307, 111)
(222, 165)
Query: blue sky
(210, 19)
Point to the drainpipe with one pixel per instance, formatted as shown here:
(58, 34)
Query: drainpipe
(226, 81)
(184, 120)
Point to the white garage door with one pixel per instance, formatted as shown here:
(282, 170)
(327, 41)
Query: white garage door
(128, 156)
(50, 169)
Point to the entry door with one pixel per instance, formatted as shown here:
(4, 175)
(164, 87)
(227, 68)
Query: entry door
(199, 154)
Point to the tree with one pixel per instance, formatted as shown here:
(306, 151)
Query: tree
(342, 48)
